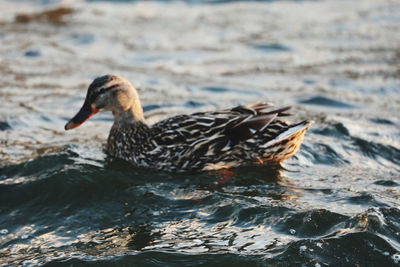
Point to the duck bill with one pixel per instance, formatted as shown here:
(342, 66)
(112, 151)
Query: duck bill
(83, 115)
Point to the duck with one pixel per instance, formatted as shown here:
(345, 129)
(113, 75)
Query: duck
(243, 135)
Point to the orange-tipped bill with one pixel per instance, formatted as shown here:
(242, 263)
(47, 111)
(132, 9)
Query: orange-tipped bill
(83, 115)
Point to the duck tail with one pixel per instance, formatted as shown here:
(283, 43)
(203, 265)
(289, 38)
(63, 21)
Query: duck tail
(287, 143)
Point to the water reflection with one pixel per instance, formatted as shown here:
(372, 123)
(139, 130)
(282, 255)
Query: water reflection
(62, 201)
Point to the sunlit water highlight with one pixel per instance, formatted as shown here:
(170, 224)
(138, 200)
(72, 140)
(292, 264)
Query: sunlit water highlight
(337, 202)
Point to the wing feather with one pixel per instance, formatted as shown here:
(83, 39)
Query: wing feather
(207, 133)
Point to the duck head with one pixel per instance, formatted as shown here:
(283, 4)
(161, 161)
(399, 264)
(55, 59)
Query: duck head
(109, 93)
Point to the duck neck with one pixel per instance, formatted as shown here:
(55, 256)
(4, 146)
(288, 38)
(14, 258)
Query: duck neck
(130, 116)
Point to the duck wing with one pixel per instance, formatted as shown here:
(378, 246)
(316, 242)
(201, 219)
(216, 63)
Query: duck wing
(210, 132)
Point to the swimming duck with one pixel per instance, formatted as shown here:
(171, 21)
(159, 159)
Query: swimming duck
(243, 135)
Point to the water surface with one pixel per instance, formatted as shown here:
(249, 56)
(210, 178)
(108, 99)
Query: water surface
(335, 203)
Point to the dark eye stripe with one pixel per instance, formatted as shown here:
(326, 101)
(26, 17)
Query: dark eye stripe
(101, 91)
(112, 87)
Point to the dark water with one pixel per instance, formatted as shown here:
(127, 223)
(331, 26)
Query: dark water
(335, 203)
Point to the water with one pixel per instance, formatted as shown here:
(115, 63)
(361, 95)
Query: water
(62, 202)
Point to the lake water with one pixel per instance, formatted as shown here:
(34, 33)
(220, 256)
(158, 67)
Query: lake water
(335, 203)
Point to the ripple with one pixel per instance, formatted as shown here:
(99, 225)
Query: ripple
(148, 108)
(4, 126)
(220, 90)
(271, 47)
(365, 199)
(338, 130)
(382, 121)
(154, 258)
(375, 150)
(325, 154)
(311, 223)
(388, 183)
(335, 203)
(338, 251)
(326, 102)
(189, 105)
(82, 39)
(15, 174)
(32, 53)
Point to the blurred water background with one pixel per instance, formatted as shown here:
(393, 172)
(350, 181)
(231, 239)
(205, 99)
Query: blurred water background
(335, 203)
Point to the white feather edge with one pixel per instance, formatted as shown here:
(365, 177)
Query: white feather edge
(291, 131)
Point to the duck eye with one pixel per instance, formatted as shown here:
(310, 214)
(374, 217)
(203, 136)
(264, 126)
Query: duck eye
(102, 90)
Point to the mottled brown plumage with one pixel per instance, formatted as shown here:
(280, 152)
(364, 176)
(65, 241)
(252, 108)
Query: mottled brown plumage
(243, 135)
